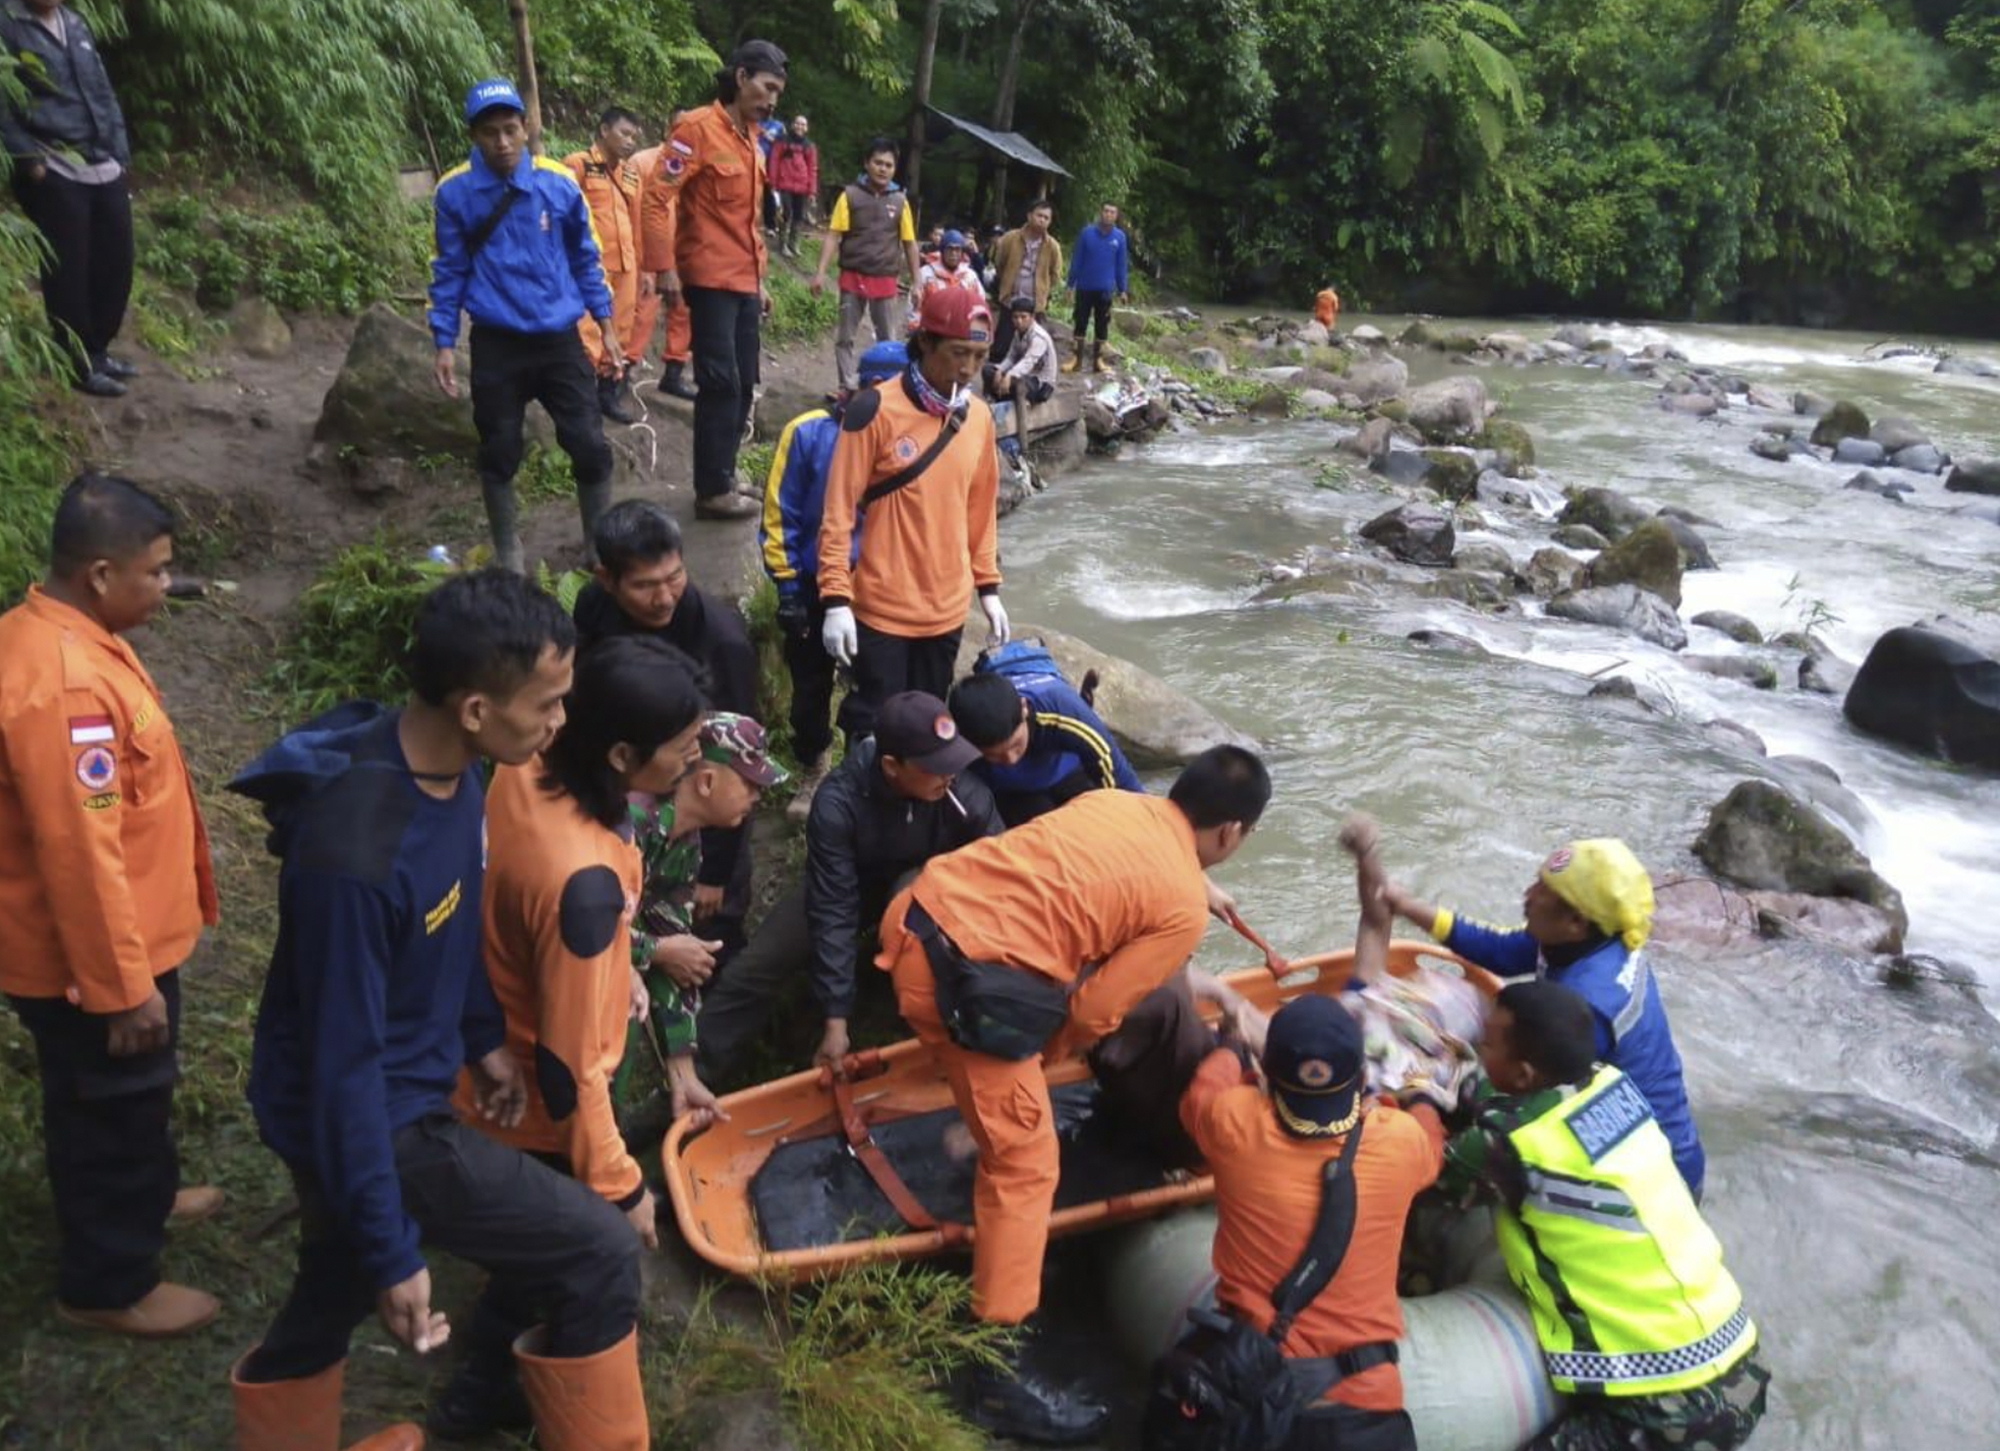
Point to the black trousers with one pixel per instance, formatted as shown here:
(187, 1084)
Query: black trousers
(726, 351)
(1343, 1428)
(736, 1006)
(109, 1146)
(812, 672)
(558, 1254)
(87, 282)
(886, 665)
(794, 204)
(510, 370)
(1092, 307)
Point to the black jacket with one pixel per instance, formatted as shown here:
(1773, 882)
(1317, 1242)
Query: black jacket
(861, 839)
(714, 637)
(70, 105)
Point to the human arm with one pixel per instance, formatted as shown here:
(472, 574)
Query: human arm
(1122, 255)
(689, 1095)
(1371, 931)
(582, 968)
(451, 271)
(784, 537)
(833, 898)
(1084, 732)
(680, 162)
(1221, 1072)
(1507, 953)
(499, 1089)
(906, 233)
(1242, 1021)
(1141, 964)
(732, 686)
(829, 244)
(846, 481)
(586, 266)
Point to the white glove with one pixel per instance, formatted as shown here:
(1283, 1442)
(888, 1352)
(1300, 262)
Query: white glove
(839, 635)
(996, 619)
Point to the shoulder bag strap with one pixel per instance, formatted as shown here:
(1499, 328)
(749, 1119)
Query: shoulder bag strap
(882, 488)
(480, 235)
(1328, 1245)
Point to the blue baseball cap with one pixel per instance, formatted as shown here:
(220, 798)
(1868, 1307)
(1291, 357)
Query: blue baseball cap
(1315, 1061)
(499, 91)
(952, 239)
(884, 360)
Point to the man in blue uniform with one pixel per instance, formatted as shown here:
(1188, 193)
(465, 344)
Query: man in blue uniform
(1589, 911)
(515, 250)
(788, 536)
(377, 997)
(1040, 743)
(1099, 271)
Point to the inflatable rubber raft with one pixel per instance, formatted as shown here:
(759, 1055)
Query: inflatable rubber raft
(811, 1174)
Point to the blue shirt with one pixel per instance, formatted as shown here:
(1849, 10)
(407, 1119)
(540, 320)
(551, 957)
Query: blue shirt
(377, 993)
(539, 272)
(1099, 262)
(795, 502)
(1065, 736)
(1632, 1031)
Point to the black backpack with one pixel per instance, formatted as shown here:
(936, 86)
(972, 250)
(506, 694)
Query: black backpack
(1224, 1387)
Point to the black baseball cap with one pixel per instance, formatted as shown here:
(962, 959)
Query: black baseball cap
(756, 57)
(1314, 1059)
(916, 729)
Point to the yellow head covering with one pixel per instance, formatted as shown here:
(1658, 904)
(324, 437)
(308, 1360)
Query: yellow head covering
(1604, 881)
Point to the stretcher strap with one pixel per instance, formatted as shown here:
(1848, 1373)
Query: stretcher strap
(861, 1143)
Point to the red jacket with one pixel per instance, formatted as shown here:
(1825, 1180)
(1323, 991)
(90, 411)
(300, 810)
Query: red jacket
(795, 167)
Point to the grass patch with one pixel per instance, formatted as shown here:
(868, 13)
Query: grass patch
(545, 477)
(796, 315)
(351, 630)
(38, 447)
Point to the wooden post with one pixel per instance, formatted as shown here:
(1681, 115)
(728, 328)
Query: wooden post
(524, 64)
(913, 153)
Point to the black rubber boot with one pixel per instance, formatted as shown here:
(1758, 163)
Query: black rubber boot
(611, 401)
(674, 383)
(1024, 1407)
(484, 1395)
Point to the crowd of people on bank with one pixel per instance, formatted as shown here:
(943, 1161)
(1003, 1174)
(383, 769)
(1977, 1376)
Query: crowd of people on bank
(532, 877)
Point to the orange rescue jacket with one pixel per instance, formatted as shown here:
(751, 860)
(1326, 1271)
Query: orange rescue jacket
(702, 212)
(1108, 882)
(559, 895)
(926, 547)
(612, 190)
(105, 879)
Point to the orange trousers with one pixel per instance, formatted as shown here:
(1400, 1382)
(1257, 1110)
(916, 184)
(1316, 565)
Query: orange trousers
(646, 317)
(624, 307)
(1006, 1105)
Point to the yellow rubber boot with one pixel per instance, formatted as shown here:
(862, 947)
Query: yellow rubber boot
(304, 1415)
(591, 1403)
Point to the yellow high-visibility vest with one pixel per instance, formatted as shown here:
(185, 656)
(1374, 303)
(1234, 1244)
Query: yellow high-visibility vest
(1625, 1278)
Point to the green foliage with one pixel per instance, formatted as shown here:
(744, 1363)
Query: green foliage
(854, 1361)
(35, 458)
(297, 256)
(352, 630)
(545, 477)
(646, 55)
(796, 315)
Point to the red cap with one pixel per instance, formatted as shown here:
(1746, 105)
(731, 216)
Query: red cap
(955, 312)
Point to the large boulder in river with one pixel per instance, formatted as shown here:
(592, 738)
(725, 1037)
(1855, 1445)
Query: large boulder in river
(1843, 420)
(1375, 378)
(1208, 360)
(1975, 476)
(1551, 572)
(1896, 434)
(1649, 557)
(1623, 607)
(1156, 724)
(1579, 536)
(1695, 553)
(1415, 533)
(1811, 404)
(1609, 512)
(1932, 692)
(1920, 458)
(1736, 627)
(384, 403)
(1863, 451)
(1454, 475)
(1371, 441)
(1514, 445)
(1761, 836)
(1693, 912)
(1451, 408)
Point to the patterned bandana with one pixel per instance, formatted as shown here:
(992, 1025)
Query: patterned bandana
(928, 398)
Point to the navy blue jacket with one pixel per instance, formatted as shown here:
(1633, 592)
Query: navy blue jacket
(377, 993)
(795, 502)
(539, 272)
(1100, 262)
(1065, 736)
(1632, 1031)
(68, 102)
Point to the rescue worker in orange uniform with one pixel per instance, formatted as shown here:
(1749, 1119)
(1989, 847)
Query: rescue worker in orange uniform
(1085, 911)
(679, 346)
(917, 453)
(1268, 1145)
(105, 886)
(703, 234)
(562, 882)
(610, 182)
(1326, 308)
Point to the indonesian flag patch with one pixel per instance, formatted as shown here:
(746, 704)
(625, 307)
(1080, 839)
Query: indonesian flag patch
(87, 730)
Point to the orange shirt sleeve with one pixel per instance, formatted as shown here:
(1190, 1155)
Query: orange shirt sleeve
(680, 160)
(846, 481)
(78, 835)
(1134, 970)
(1219, 1072)
(583, 967)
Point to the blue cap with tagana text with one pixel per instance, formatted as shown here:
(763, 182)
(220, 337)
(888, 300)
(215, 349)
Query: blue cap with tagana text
(499, 91)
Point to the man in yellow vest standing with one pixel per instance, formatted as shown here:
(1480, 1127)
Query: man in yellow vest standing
(1640, 1324)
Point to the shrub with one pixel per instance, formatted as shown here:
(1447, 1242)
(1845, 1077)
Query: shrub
(351, 630)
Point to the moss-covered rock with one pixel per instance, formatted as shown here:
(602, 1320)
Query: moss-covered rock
(1453, 475)
(1607, 511)
(1759, 835)
(1649, 557)
(1511, 441)
(1843, 420)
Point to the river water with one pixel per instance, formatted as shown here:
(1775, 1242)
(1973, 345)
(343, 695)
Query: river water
(1852, 1128)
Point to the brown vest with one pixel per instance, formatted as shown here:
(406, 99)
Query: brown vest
(872, 244)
